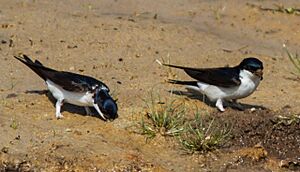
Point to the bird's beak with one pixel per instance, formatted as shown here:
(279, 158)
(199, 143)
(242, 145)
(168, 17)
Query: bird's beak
(259, 73)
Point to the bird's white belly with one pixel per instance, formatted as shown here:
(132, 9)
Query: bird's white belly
(246, 88)
(79, 99)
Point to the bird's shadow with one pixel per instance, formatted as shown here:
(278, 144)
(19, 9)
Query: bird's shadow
(66, 106)
(193, 94)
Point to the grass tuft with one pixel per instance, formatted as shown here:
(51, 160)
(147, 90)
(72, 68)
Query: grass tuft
(288, 120)
(14, 124)
(295, 59)
(166, 119)
(279, 8)
(197, 133)
(203, 135)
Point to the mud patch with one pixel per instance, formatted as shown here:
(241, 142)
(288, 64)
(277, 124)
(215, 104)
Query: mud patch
(277, 132)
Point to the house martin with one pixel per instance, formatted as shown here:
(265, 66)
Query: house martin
(224, 83)
(76, 89)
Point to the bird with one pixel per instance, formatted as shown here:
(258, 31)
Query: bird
(76, 89)
(224, 83)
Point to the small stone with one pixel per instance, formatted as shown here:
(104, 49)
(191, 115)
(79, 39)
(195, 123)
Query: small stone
(38, 52)
(68, 130)
(77, 132)
(11, 43)
(132, 20)
(283, 163)
(12, 95)
(4, 149)
(72, 46)
(18, 137)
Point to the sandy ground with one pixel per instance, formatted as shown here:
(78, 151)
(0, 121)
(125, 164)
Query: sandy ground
(118, 42)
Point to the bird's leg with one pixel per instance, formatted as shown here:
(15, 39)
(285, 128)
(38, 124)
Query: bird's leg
(87, 110)
(219, 105)
(99, 111)
(58, 105)
(237, 104)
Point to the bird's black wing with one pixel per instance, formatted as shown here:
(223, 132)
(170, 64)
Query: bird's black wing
(67, 80)
(75, 82)
(223, 77)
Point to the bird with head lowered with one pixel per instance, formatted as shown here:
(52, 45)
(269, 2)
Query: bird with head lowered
(76, 89)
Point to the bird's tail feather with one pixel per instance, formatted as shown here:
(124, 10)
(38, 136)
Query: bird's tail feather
(192, 83)
(35, 66)
(174, 66)
(180, 67)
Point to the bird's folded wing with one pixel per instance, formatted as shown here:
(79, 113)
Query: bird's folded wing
(67, 80)
(223, 77)
(74, 82)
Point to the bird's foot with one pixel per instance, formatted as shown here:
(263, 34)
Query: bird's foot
(88, 111)
(59, 116)
(219, 105)
(58, 105)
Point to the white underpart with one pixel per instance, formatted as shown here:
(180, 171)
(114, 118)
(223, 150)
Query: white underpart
(249, 83)
(79, 99)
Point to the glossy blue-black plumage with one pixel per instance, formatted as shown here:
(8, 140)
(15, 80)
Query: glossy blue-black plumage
(222, 76)
(67, 80)
(251, 64)
(76, 83)
(107, 105)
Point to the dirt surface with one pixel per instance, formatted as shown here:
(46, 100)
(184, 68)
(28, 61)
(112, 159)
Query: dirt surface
(118, 42)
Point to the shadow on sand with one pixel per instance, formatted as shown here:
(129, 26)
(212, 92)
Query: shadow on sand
(66, 106)
(192, 94)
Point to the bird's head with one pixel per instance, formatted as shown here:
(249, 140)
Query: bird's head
(107, 104)
(253, 65)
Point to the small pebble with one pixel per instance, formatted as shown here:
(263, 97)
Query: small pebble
(12, 95)
(4, 149)
(68, 130)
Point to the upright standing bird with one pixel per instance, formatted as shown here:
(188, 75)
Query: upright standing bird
(80, 90)
(224, 83)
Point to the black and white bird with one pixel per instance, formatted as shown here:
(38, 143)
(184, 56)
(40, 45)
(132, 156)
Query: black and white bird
(224, 83)
(80, 90)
